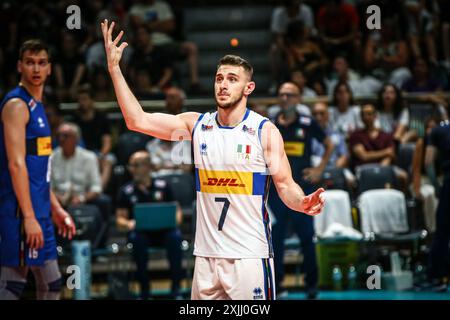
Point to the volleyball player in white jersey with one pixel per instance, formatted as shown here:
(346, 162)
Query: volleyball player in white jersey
(233, 150)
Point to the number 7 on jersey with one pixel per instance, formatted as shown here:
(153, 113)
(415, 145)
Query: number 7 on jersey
(223, 215)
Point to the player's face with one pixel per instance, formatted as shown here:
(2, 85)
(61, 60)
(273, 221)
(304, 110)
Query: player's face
(231, 85)
(34, 67)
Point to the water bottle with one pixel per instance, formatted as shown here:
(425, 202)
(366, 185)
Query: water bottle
(337, 278)
(352, 277)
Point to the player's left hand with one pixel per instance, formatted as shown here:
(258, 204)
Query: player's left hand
(64, 223)
(313, 203)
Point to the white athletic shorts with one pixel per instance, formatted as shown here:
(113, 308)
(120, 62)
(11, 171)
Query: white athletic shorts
(233, 279)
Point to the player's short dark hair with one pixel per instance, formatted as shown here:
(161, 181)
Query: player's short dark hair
(233, 60)
(34, 46)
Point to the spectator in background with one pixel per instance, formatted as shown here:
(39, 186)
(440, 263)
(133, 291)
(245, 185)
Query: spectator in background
(342, 72)
(289, 97)
(282, 16)
(386, 54)
(339, 157)
(101, 85)
(298, 78)
(304, 54)
(171, 156)
(344, 115)
(338, 24)
(421, 79)
(175, 98)
(70, 69)
(96, 132)
(392, 112)
(371, 145)
(152, 59)
(75, 177)
(143, 88)
(145, 189)
(158, 18)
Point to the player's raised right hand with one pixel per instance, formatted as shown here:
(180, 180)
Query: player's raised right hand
(33, 231)
(113, 52)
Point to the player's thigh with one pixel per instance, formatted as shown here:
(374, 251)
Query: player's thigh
(10, 244)
(251, 279)
(205, 284)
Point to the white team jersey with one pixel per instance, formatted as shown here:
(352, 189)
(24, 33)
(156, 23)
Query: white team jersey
(232, 186)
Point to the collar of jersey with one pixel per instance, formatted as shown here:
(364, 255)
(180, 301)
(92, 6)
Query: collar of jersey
(225, 127)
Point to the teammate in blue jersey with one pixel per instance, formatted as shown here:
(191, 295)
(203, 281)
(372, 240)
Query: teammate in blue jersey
(298, 132)
(27, 206)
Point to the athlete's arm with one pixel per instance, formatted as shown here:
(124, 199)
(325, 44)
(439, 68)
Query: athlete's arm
(62, 219)
(159, 125)
(15, 117)
(290, 192)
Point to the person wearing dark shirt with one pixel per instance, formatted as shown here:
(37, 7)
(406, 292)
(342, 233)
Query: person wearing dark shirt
(95, 133)
(439, 258)
(371, 145)
(421, 80)
(70, 69)
(298, 132)
(145, 189)
(152, 59)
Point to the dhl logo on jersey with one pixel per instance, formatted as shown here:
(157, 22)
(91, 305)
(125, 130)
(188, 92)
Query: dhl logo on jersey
(44, 146)
(212, 181)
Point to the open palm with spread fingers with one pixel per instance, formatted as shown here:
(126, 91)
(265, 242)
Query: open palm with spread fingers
(313, 203)
(113, 52)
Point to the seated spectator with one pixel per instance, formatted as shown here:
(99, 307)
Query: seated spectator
(421, 79)
(158, 18)
(144, 189)
(338, 24)
(304, 54)
(174, 100)
(386, 54)
(392, 112)
(371, 145)
(75, 177)
(69, 69)
(171, 156)
(344, 115)
(289, 97)
(151, 59)
(143, 87)
(339, 157)
(101, 85)
(342, 72)
(282, 16)
(298, 78)
(96, 132)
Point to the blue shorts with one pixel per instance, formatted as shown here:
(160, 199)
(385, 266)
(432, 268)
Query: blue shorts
(13, 248)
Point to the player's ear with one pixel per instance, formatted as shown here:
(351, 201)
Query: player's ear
(249, 87)
(19, 66)
(49, 72)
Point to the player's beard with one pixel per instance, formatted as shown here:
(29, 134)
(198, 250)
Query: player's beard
(230, 104)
